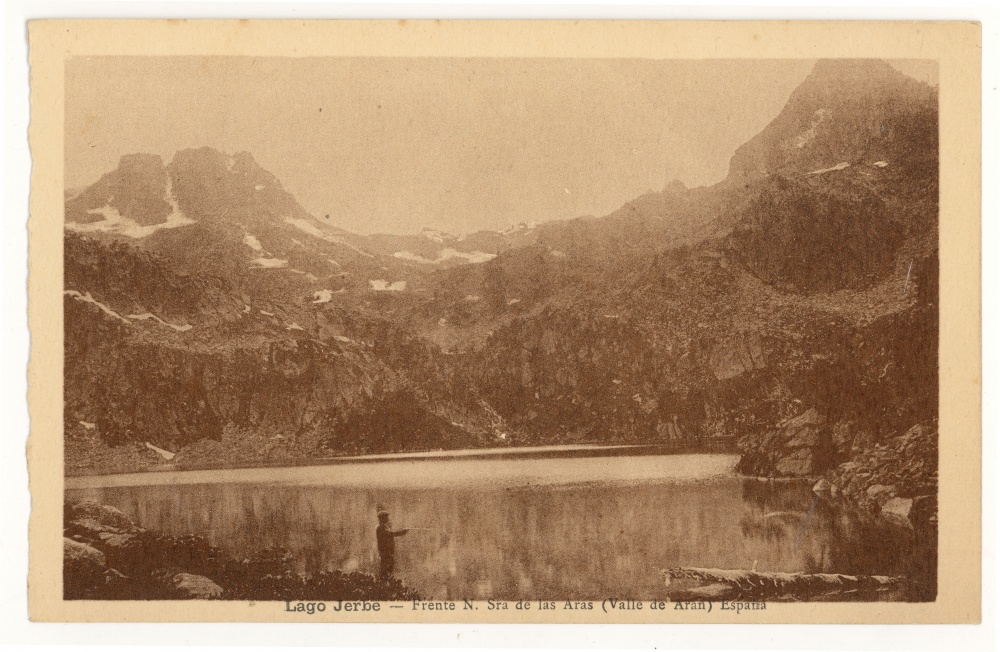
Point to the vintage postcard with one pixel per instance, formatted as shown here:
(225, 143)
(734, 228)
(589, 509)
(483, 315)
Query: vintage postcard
(498, 321)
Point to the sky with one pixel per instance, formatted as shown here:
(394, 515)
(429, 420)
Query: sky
(391, 145)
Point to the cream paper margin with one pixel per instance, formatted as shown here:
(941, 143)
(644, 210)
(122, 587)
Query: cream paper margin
(957, 48)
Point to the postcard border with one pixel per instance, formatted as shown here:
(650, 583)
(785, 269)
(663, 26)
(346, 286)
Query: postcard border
(955, 45)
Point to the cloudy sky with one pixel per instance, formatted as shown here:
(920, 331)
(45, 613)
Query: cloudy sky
(391, 145)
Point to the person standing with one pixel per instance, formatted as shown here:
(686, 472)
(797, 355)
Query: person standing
(385, 537)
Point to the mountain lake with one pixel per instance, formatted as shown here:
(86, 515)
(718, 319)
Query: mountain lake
(590, 527)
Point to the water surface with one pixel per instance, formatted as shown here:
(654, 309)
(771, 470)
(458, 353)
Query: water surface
(550, 528)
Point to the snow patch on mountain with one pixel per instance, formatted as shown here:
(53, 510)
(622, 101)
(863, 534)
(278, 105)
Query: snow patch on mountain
(306, 226)
(313, 230)
(149, 315)
(880, 164)
(436, 236)
(165, 454)
(322, 296)
(252, 242)
(86, 298)
(381, 285)
(114, 222)
(294, 327)
(839, 166)
(445, 255)
(472, 256)
(521, 226)
(270, 263)
(416, 258)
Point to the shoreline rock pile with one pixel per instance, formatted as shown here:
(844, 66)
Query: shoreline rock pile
(106, 556)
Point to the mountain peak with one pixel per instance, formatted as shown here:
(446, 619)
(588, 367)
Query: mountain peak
(675, 187)
(241, 162)
(140, 162)
(848, 70)
(203, 153)
(846, 110)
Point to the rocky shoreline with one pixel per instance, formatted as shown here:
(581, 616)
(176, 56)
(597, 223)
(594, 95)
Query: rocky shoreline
(106, 556)
(889, 482)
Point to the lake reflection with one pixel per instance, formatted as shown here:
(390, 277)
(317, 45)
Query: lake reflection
(585, 528)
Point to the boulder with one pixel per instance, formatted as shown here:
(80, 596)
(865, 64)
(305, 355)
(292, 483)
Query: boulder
(80, 556)
(104, 516)
(115, 540)
(824, 486)
(880, 492)
(83, 569)
(842, 436)
(800, 462)
(802, 436)
(810, 417)
(899, 506)
(196, 587)
(793, 448)
(116, 584)
(87, 529)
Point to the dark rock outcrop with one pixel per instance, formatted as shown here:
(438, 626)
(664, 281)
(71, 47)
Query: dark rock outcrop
(799, 446)
(195, 587)
(137, 190)
(83, 568)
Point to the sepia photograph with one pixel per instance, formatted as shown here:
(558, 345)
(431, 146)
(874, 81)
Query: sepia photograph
(501, 329)
(499, 334)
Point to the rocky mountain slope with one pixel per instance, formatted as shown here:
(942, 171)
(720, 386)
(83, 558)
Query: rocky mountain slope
(790, 309)
(179, 360)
